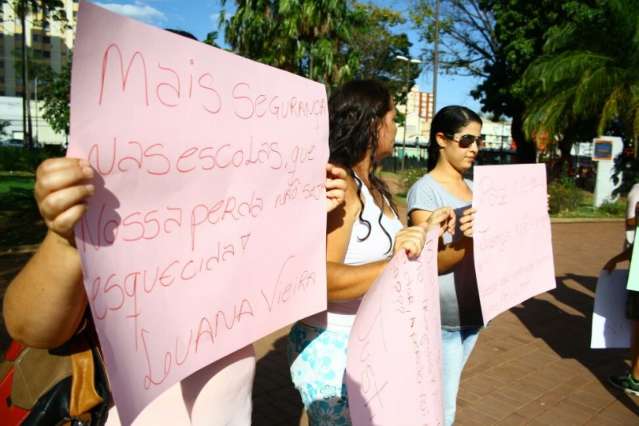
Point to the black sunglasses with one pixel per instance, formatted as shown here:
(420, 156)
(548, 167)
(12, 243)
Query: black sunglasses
(467, 140)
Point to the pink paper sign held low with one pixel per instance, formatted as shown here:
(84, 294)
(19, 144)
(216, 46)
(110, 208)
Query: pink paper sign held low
(207, 228)
(512, 239)
(393, 372)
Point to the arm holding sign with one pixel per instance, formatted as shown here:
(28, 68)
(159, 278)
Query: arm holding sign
(621, 257)
(45, 302)
(352, 281)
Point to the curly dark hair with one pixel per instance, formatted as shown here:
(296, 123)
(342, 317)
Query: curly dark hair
(356, 112)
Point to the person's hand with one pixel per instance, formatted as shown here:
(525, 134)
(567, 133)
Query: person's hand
(61, 189)
(335, 186)
(610, 265)
(466, 222)
(444, 218)
(412, 240)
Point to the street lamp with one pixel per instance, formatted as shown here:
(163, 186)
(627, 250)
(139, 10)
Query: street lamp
(408, 62)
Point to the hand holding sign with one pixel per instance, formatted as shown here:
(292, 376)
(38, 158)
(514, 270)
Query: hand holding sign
(61, 190)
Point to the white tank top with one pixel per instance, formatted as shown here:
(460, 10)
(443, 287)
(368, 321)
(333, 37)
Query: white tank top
(376, 246)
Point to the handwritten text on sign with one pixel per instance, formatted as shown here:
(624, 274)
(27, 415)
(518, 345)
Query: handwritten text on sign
(194, 245)
(512, 239)
(394, 350)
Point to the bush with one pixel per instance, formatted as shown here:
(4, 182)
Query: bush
(613, 209)
(410, 176)
(23, 160)
(564, 195)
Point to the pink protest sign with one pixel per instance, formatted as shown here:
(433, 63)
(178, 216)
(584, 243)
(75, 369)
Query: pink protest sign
(207, 228)
(512, 239)
(393, 372)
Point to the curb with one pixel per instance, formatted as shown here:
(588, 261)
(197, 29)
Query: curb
(586, 220)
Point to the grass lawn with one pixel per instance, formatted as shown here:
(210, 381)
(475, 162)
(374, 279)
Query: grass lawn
(586, 210)
(20, 222)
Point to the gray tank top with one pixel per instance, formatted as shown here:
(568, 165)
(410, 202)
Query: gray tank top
(458, 295)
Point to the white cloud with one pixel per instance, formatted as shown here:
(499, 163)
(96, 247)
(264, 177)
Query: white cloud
(138, 10)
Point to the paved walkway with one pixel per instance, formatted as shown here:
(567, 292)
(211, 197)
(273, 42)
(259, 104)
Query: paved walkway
(531, 366)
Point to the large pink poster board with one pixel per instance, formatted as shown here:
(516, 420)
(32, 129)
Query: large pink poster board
(393, 372)
(207, 228)
(512, 238)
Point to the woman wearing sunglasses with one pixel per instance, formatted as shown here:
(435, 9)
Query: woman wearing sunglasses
(455, 139)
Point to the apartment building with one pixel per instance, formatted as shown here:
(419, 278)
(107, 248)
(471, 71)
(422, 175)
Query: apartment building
(50, 44)
(419, 113)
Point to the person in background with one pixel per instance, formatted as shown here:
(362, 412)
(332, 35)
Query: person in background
(629, 382)
(631, 221)
(455, 139)
(362, 235)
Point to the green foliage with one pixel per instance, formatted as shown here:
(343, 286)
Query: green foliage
(306, 37)
(24, 160)
(55, 94)
(20, 221)
(376, 44)
(40, 9)
(615, 208)
(626, 173)
(410, 176)
(588, 72)
(330, 41)
(495, 40)
(564, 195)
(210, 39)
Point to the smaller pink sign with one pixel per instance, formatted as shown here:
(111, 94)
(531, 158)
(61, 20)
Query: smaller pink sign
(393, 372)
(512, 238)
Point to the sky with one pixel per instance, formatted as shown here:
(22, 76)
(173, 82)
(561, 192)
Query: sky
(200, 17)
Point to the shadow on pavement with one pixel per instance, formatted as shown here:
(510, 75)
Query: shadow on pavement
(568, 334)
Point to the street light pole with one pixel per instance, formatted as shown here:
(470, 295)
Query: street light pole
(436, 57)
(36, 111)
(408, 89)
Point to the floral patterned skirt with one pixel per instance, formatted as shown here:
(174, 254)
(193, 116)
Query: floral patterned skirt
(318, 360)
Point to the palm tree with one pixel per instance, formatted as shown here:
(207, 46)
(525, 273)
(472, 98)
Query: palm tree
(39, 9)
(306, 37)
(588, 73)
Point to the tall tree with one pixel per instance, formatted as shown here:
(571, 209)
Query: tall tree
(466, 35)
(495, 40)
(328, 40)
(55, 95)
(377, 42)
(307, 37)
(39, 11)
(588, 73)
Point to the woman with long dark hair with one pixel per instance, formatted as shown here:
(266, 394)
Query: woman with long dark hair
(362, 235)
(455, 139)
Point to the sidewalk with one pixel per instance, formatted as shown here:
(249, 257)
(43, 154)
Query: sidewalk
(532, 365)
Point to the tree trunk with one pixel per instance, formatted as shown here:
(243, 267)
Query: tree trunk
(26, 109)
